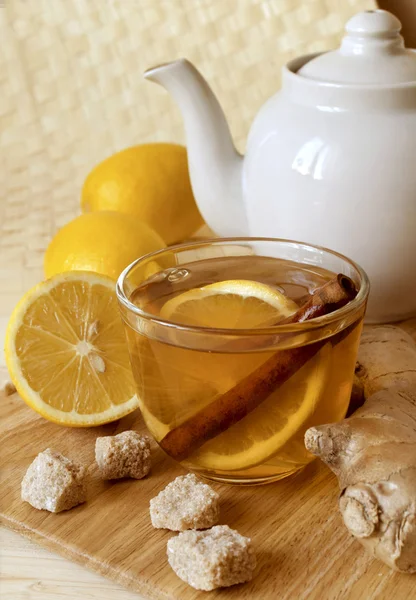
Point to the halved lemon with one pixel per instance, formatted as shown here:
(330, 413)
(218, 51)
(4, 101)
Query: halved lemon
(66, 351)
(234, 304)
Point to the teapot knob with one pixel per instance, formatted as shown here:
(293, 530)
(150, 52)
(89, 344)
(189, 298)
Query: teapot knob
(372, 31)
(374, 23)
(372, 52)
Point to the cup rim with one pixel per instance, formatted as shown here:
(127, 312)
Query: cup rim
(311, 325)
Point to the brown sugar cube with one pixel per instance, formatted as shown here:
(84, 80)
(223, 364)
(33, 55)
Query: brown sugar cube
(186, 503)
(124, 455)
(218, 557)
(53, 482)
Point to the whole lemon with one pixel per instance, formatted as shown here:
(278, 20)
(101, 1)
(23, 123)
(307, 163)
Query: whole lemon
(104, 242)
(150, 181)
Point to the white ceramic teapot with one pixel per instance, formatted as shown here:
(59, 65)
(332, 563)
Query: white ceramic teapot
(331, 158)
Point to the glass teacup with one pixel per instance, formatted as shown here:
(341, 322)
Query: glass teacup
(203, 370)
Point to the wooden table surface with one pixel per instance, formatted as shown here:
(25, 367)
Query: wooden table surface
(327, 565)
(30, 573)
(27, 572)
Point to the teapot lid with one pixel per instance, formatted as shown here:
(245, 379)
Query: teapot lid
(372, 52)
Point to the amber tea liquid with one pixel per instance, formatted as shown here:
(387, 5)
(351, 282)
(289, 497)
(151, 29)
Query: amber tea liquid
(174, 381)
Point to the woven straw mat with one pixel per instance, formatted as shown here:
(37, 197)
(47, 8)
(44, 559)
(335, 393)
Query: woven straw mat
(72, 92)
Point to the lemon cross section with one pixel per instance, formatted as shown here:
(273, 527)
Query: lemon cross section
(67, 354)
(233, 304)
(262, 433)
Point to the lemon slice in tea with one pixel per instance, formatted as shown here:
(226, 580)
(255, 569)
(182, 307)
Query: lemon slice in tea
(234, 304)
(264, 431)
(176, 390)
(67, 354)
(260, 435)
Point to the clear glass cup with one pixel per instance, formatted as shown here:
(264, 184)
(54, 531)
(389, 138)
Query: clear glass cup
(198, 385)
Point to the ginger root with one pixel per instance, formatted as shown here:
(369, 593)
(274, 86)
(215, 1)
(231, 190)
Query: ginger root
(373, 453)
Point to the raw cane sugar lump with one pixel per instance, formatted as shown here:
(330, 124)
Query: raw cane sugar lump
(53, 482)
(186, 503)
(124, 455)
(218, 557)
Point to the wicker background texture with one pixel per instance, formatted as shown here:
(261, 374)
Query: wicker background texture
(72, 92)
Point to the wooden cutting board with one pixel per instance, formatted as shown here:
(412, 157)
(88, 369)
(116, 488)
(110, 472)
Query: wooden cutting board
(302, 546)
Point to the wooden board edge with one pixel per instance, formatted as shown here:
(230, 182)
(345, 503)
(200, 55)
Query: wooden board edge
(84, 560)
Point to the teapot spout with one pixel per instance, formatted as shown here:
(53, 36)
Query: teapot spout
(215, 166)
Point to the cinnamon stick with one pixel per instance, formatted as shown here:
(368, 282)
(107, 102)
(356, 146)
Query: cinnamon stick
(244, 397)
